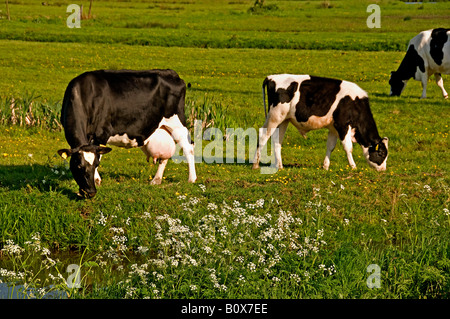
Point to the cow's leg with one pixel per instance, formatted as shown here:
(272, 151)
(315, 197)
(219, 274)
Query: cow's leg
(331, 144)
(264, 134)
(159, 172)
(181, 136)
(97, 178)
(440, 83)
(347, 143)
(424, 81)
(281, 131)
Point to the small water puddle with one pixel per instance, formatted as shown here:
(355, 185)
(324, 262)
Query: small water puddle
(55, 276)
(11, 291)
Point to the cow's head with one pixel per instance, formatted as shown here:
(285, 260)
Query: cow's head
(377, 154)
(397, 84)
(83, 162)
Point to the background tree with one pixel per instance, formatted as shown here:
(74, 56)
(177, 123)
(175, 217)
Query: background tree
(7, 10)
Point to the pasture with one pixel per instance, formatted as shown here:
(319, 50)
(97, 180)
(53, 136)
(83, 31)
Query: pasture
(236, 233)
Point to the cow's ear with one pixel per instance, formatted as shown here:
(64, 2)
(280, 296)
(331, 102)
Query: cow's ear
(65, 153)
(103, 150)
(385, 141)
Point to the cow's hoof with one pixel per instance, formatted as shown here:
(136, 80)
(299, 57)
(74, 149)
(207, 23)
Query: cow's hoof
(446, 97)
(156, 181)
(192, 180)
(255, 166)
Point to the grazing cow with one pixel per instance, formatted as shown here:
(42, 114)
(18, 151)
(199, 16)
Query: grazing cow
(127, 109)
(428, 53)
(312, 103)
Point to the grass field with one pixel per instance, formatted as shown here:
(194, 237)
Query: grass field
(236, 233)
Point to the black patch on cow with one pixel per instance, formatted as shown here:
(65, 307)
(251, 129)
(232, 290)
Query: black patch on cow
(406, 70)
(438, 38)
(316, 97)
(280, 95)
(378, 153)
(357, 114)
(103, 103)
(409, 64)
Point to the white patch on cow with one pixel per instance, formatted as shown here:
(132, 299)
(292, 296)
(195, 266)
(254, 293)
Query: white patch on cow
(89, 157)
(160, 145)
(122, 141)
(97, 178)
(180, 135)
(284, 80)
(347, 143)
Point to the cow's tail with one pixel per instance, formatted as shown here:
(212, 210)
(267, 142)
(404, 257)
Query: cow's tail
(264, 95)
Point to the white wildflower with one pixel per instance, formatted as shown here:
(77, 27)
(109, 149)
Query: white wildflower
(11, 248)
(142, 249)
(102, 219)
(146, 215)
(295, 277)
(251, 266)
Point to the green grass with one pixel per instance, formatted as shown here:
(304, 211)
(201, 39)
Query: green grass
(300, 233)
(227, 24)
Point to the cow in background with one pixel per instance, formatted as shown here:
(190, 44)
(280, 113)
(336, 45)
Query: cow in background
(428, 53)
(312, 103)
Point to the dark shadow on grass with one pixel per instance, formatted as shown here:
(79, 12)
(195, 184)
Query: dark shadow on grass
(34, 176)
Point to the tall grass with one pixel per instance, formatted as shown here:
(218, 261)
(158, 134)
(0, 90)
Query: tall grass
(211, 113)
(31, 111)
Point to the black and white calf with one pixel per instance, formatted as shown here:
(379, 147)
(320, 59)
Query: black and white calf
(127, 109)
(428, 53)
(312, 103)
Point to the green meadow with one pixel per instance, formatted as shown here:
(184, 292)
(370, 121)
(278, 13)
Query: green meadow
(236, 233)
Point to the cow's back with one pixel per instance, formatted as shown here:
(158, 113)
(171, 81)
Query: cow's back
(433, 46)
(102, 103)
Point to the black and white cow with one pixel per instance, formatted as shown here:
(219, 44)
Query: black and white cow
(312, 103)
(428, 53)
(127, 109)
